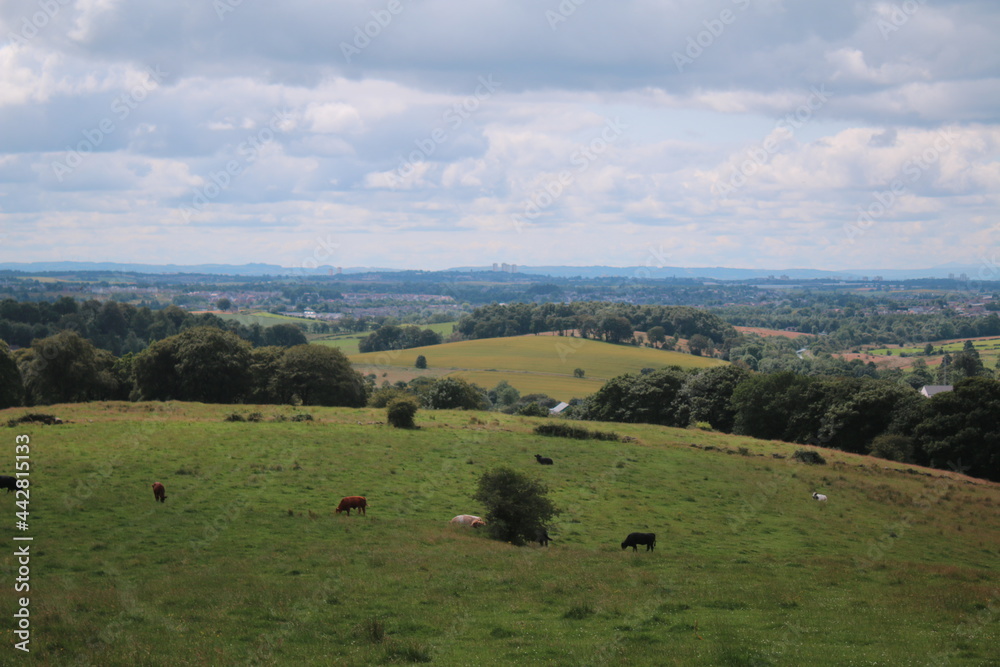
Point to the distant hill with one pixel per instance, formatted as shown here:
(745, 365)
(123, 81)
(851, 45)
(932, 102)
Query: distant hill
(533, 364)
(639, 272)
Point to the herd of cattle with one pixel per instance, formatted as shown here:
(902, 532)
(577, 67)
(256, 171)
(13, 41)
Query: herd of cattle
(359, 503)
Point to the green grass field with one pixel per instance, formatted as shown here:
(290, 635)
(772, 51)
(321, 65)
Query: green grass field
(246, 562)
(988, 348)
(533, 364)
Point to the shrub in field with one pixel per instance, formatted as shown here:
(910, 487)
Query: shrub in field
(34, 418)
(808, 456)
(567, 431)
(400, 413)
(517, 506)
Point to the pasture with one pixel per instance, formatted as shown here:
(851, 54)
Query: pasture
(246, 561)
(532, 364)
(988, 349)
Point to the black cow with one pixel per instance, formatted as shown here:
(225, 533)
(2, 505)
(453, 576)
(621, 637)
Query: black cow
(542, 537)
(544, 460)
(635, 539)
(8, 482)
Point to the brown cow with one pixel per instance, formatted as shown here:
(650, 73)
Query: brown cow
(352, 502)
(159, 493)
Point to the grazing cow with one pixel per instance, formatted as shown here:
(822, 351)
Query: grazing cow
(635, 539)
(544, 460)
(819, 496)
(8, 482)
(468, 520)
(352, 502)
(542, 537)
(159, 493)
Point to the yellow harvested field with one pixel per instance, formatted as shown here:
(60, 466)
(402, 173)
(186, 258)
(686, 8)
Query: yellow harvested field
(532, 364)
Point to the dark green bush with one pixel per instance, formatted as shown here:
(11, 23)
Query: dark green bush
(567, 431)
(400, 413)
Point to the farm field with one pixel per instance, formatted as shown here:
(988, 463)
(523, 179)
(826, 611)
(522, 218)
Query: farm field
(771, 332)
(246, 562)
(988, 348)
(533, 364)
(262, 318)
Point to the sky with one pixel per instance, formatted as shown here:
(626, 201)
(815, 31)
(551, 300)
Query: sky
(428, 134)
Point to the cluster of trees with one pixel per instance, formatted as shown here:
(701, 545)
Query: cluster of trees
(862, 415)
(121, 328)
(612, 322)
(394, 337)
(199, 364)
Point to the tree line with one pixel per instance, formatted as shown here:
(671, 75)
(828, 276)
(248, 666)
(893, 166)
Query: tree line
(204, 364)
(957, 429)
(611, 322)
(121, 328)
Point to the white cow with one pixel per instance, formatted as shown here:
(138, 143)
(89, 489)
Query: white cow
(819, 496)
(468, 520)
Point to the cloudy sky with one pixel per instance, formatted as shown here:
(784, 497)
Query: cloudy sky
(439, 133)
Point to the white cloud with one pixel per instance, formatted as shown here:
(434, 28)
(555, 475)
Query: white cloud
(462, 118)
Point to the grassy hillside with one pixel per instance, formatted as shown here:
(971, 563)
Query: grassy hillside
(533, 364)
(247, 563)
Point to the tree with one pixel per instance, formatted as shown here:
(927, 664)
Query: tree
(861, 410)
(400, 412)
(516, 505)
(264, 363)
(967, 364)
(421, 361)
(962, 428)
(66, 368)
(656, 335)
(893, 447)
(200, 364)
(764, 405)
(648, 398)
(224, 304)
(284, 335)
(579, 372)
(699, 344)
(504, 395)
(707, 394)
(11, 389)
(919, 374)
(319, 375)
(455, 394)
